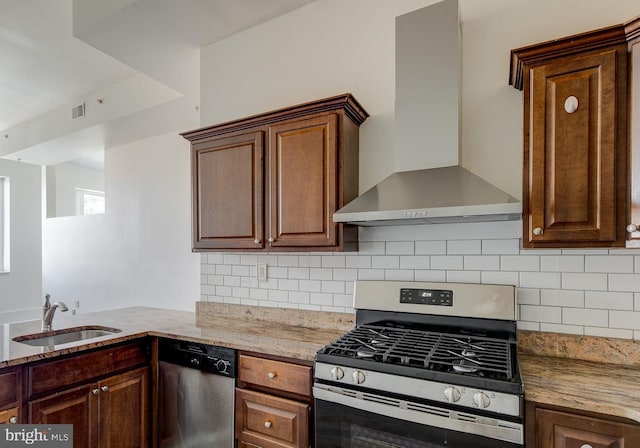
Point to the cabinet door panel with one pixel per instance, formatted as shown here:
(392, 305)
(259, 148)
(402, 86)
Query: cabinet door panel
(124, 410)
(303, 182)
(571, 164)
(634, 118)
(78, 407)
(228, 192)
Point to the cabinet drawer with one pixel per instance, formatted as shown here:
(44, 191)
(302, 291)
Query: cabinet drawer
(9, 415)
(270, 421)
(278, 375)
(9, 388)
(85, 367)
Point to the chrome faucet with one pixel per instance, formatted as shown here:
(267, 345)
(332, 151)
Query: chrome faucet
(49, 310)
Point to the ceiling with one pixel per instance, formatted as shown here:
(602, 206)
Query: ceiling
(132, 62)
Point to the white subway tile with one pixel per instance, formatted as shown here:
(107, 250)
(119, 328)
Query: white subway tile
(562, 297)
(533, 252)
(249, 282)
(208, 269)
(585, 251)
(500, 278)
(293, 306)
(349, 287)
(230, 280)
(223, 291)
(547, 280)
(288, 285)
(207, 289)
(215, 279)
(258, 294)
(636, 264)
(501, 247)
(530, 326)
(223, 269)
(619, 264)
(204, 258)
(344, 300)
(371, 247)
(203, 279)
(310, 261)
(415, 262)
(277, 272)
(370, 274)
(333, 261)
(624, 251)
(608, 332)
(215, 259)
(268, 259)
(585, 316)
(240, 270)
(299, 297)
(321, 274)
(636, 301)
(624, 282)
(231, 258)
(447, 262)
(333, 287)
(520, 263)
(431, 247)
(248, 259)
(276, 295)
(319, 298)
(398, 275)
(358, 261)
(333, 309)
(636, 335)
(624, 319)
(288, 260)
(345, 274)
(385, 262)
(537, 313)
(430, 276)
(299, 273)
(232, 300)
(216, 299)
(309, 307)
(609, 300)
(400, 248)
(525, 296)
(589, 282)
(481, 263)
(464, 247)
(463, 276)
(562, 263)
(243, 293)
(268, 304)
(560, 328)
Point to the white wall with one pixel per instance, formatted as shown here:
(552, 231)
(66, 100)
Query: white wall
(21, 288)
(63, 180)
(138, 253)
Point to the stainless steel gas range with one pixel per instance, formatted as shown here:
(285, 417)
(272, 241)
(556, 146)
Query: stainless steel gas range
(428, 365)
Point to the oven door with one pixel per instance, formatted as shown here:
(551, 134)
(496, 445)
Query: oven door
(345, 419)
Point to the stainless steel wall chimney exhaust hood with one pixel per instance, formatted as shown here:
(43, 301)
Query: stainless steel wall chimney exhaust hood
(429, 186)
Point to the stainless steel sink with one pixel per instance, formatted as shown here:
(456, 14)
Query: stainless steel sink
(66, 335)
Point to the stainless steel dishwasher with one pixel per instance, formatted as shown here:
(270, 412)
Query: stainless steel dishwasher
(196, 395)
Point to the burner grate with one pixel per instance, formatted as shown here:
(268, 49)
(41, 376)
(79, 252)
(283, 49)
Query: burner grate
(465, 354)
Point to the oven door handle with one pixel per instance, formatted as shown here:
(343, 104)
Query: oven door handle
(422, 414)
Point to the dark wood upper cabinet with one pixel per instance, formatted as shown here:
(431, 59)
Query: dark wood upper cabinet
(273, 181)
(575, 177)
(632, 29)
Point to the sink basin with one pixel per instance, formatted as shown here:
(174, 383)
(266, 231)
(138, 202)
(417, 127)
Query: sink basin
(66, 335)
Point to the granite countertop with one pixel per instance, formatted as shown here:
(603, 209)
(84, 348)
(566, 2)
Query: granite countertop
(287, 333)
(584, 373)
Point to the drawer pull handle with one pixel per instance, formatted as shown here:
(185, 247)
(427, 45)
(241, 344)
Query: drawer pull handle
(271, 375)
(13, 420)
(95, 391)
(104, 388)
(267, 424)
(586, 445)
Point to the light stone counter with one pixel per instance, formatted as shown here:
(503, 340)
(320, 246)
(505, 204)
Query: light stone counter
(289, 333)
(581, 372)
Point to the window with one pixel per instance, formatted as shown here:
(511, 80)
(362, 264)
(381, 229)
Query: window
(4, 224)
(89, 202)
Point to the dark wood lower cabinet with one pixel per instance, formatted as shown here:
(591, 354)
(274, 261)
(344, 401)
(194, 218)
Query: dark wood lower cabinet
(565, 428)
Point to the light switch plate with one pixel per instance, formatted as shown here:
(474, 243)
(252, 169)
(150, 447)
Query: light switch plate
(262, 272)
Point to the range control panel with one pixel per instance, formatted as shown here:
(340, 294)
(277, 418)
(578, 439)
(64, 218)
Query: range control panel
(439, 297)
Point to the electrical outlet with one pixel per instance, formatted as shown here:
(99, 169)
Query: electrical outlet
(77, 304)
(262, 272)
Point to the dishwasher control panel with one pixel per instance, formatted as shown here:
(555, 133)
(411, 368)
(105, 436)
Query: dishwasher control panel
(209, 358)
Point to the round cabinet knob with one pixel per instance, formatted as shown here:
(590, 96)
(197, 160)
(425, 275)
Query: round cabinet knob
(95, 391)
(271, 375)
(481, 400)
(271, 240)
(257, 241)
(586, 445)
(13, 420)
(104, 388)
(452, 394)
(267, 424)
(358, 377)
(538, 231)
(337, 373)
(571, 104)
(632, 228)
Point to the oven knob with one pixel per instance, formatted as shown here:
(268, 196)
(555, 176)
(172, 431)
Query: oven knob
(452, 394)
(358, 377)
(337, 373)
(481, 400)
(222, 365)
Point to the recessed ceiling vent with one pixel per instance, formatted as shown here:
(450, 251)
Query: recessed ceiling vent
(77, 112)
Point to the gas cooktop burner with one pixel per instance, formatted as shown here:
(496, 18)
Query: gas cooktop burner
(467, 354)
